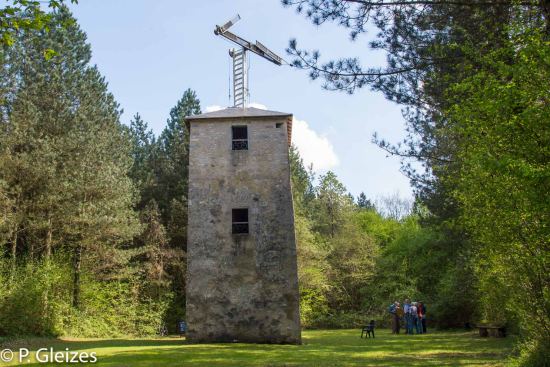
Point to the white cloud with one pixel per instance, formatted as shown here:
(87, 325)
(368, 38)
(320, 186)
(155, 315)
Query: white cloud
(213, 108)
(257, 105)
(313, 148)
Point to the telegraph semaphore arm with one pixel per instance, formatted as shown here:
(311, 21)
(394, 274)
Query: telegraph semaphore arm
(240, 69)
(257, 48)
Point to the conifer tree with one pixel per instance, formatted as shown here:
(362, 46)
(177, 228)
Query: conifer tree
(157, 254)
(172, 175)
(66, 156)
(144, 153)
(160, 171)
(363, 202)
(173, 160)
(332, 204)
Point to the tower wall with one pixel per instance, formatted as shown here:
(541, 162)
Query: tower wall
(241, 287)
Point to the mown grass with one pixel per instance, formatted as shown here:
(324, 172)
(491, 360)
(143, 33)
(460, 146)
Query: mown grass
(320, 348)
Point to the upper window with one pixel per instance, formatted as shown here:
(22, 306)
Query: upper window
(239, 220)
(240, 137)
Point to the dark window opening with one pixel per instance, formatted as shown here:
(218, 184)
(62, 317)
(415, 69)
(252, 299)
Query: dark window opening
(239, 221)
(278, 125)
(239, 138)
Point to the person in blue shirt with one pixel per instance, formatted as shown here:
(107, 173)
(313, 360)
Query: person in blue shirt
(408, 319)
(413, 318)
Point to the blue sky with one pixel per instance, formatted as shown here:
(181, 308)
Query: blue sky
(151, 51)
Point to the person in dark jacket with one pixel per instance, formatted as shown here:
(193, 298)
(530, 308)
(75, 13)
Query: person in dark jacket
(392, 310)
(419, 318)
(422, 314)
(398, 317)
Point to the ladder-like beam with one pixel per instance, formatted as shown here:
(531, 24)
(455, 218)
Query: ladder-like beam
(240, 77)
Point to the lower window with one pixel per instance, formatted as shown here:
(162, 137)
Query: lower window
(239, 221)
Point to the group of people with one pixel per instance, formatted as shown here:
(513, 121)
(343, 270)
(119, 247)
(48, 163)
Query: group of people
(412, 313)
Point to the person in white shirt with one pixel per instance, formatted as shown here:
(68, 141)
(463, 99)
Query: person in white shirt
(413, 310)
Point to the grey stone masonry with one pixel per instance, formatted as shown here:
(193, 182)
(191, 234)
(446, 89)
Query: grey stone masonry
(241, 286)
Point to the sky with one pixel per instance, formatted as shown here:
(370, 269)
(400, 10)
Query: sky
(150, 52)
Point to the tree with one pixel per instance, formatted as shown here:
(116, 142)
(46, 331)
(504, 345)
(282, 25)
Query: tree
(352, 254)
(393, 206)
(144, 154)
(364, 203)
(161, 173)
(427, 45)
(6, 217)
(173, 135)
(332, 204)
(424, 43)
(411, 32)
(154, 242)
(313, 268)
(67, 155)
(172, 170)
(311, 249)
(301, 180)
(143, 140)
(504, 175)
(472, 79)
(27, 15)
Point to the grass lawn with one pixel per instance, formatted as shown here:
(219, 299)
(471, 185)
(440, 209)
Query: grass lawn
(320, 348)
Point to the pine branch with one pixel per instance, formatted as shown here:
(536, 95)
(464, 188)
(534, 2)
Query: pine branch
(377, 4)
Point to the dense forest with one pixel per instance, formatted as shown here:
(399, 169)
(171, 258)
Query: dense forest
(473, 80)
(93, 212)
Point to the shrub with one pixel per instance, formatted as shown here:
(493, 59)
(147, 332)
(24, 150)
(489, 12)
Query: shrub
(37, 300)
(533, 353)
(33, 300)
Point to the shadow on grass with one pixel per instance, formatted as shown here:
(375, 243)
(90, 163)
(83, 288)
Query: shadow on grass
(81, 344)
(320, 348)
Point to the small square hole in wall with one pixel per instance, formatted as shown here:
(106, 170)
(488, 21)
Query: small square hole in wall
(278, 125)
(239, 220)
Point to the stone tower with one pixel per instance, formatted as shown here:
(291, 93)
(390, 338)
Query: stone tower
(242, 282)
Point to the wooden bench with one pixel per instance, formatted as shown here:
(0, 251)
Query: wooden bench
(496, 331)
